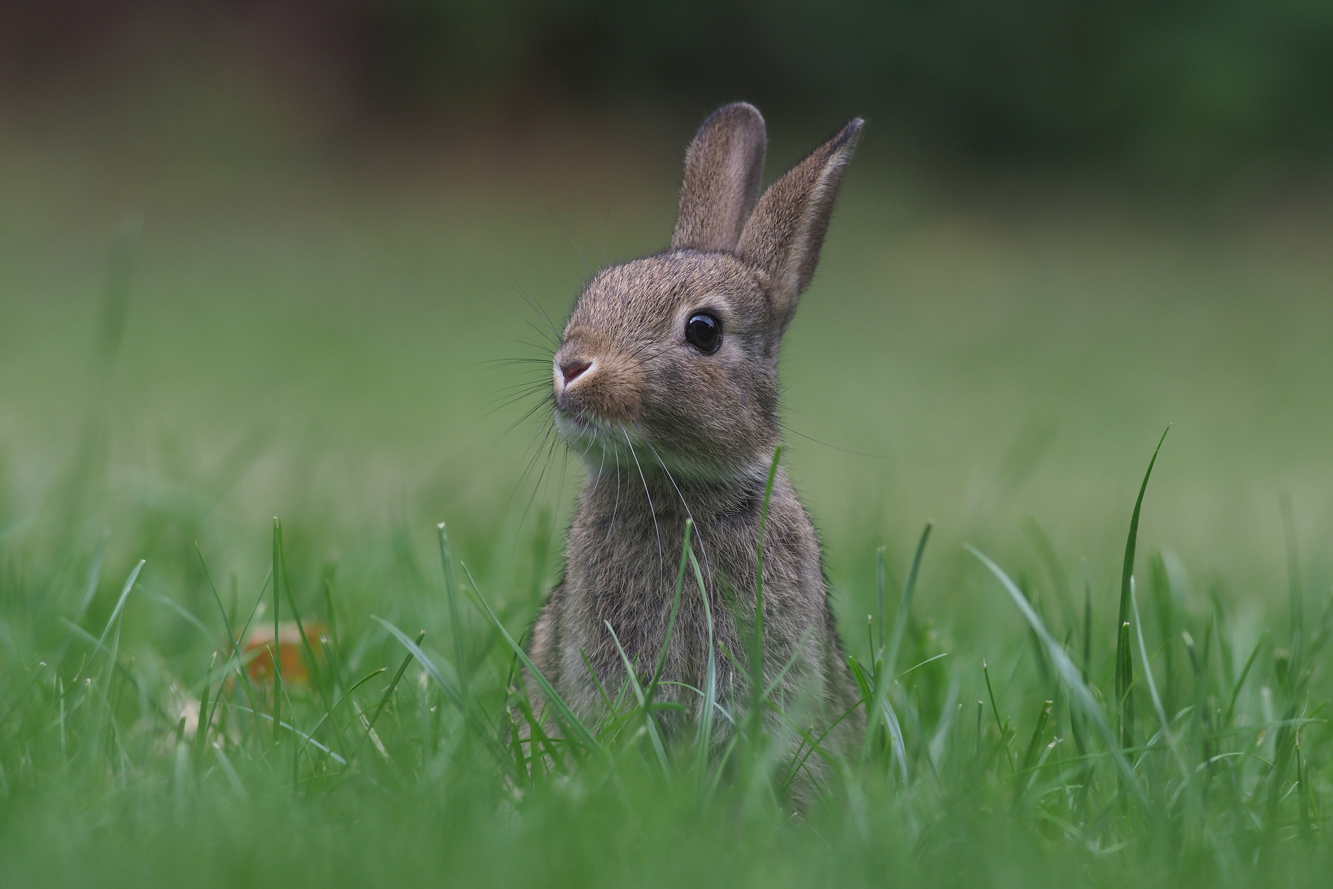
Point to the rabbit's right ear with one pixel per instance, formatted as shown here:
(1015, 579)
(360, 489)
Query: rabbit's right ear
(785, 232)
(722, 170)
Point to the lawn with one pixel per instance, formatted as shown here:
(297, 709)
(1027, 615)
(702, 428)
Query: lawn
(193, 346)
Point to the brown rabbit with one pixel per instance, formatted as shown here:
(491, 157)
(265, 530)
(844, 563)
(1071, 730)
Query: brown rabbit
(666, 384)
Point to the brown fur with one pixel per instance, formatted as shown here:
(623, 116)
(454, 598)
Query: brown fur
(669, 434)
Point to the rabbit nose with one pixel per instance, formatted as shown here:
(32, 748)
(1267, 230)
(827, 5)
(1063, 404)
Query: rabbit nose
(572, 369)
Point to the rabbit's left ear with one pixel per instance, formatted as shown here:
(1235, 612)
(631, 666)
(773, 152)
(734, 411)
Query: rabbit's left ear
(785, 232)
(722, 171)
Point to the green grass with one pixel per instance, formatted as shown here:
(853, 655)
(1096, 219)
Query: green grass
(1068, 686)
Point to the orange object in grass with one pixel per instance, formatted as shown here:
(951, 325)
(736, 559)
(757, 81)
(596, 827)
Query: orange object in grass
(291, 651)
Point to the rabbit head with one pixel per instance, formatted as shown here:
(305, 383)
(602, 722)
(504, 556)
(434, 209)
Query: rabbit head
(671, 360)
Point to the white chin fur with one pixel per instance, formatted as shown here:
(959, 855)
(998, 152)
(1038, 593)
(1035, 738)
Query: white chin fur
(608, 447)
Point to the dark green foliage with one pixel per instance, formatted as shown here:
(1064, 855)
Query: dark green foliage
(1170, 86)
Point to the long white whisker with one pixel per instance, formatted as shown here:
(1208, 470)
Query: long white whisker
(657, 530)
(703, 549)
(602, 464)
(615, 507)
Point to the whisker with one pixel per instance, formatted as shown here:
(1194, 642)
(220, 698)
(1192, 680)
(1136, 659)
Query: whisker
(703, 549)
(606, 221)
(519, 422)
(501, 362)
(509, 401)
(787, 428)
(555, 344)
(642, 348)
(533, 385)
(658, 531)
(602, 463)
(532, 302)
(530, 456)
(615, 506)
(569, 236)
(546, 350)
(587, 265)
(559, 495)
(546, 465)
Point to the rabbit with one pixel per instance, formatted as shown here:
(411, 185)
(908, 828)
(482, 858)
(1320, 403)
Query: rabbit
(665, 383)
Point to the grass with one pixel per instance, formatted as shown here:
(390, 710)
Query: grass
(1067, 685)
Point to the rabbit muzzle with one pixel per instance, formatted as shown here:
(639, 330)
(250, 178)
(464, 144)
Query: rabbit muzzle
(596, 387)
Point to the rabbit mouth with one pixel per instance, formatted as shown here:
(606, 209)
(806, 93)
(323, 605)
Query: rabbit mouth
(584, 432)
(612, 446)
(605, 444)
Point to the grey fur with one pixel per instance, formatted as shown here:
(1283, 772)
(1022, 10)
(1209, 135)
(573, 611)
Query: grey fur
(670, 433)
(722, 171)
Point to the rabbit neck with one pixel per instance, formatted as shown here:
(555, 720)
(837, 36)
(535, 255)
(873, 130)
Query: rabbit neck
(733, 501)
(629, 531)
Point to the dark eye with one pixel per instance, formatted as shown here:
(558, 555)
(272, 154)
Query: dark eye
(704, 332)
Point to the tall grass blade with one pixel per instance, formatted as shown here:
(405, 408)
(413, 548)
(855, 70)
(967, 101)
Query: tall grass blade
(111, 621)
(1001, 726)
(1240, 680)
(882, 706)
(1034, 745)
(675, 609)
(1295, 596)
(1147, 666)
(1124, 658)
(650, 724)
(704, 738)
(120, 602)
(277, 629)
(565, 714)
(393, 684)
(455, 613)
(879, 595)
(1087, 621)
(905, 604)
(316, 675)
(1080, 694)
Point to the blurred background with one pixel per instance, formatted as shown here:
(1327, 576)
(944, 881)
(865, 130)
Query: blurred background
(254, 257)
(1179, 89)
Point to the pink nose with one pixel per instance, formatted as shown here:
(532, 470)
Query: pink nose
(572, 370)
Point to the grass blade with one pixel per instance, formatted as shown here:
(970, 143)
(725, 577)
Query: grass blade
(1080, 694)
(649, 723)
(566, 715)
(1034, 745)
(111, 621)
(675, 608)
(277, 630)
(704, 738)
(1295, 597)
(455, 615)
(402, 668)
(905, 604)
(1124, 659)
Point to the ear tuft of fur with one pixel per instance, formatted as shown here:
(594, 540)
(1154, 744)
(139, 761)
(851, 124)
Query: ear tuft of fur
(785, 233)
(722, 170)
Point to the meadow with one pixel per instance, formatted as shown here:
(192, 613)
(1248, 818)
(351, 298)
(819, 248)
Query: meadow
(234, 383)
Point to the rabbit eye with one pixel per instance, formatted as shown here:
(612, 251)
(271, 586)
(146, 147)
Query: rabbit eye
(704, 332)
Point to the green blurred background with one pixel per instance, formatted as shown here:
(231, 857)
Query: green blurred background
(255, 255)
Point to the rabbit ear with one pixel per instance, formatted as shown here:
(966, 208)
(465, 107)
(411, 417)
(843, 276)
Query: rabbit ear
(722, 169)
(786, 230)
